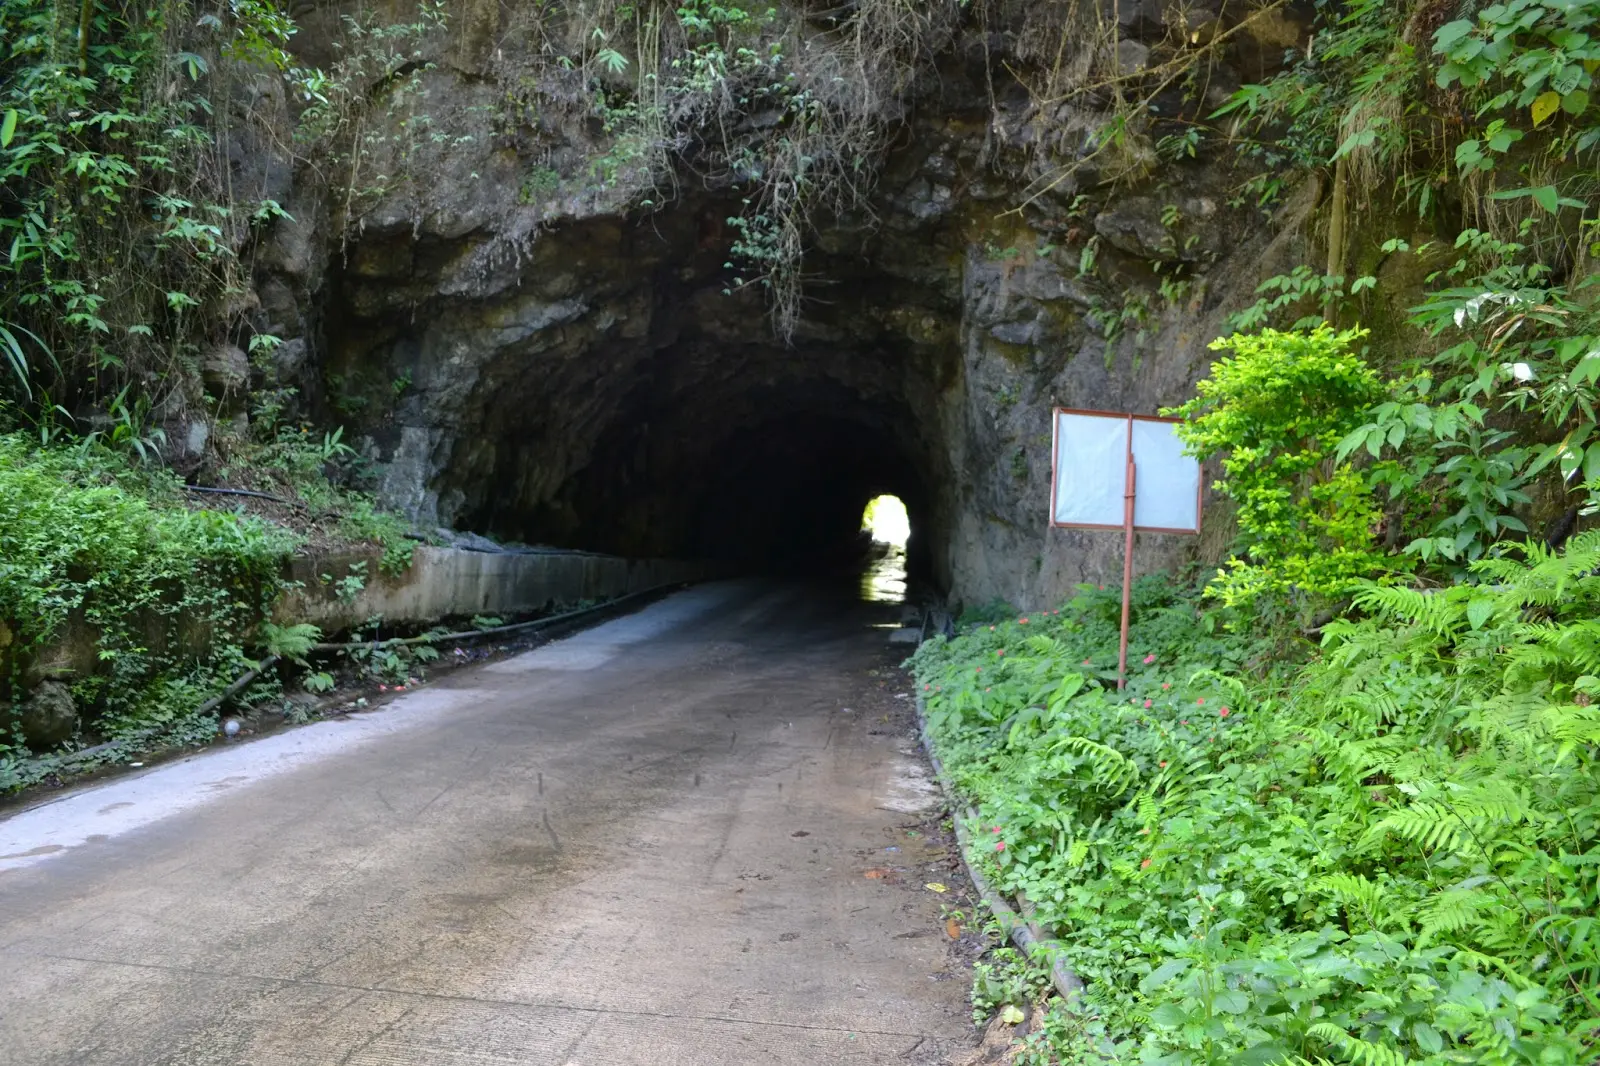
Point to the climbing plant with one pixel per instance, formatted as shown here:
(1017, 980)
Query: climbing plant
(119, 228)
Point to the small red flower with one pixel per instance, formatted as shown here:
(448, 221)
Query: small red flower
(1225, 712)
(1000, 846)
(986, 690)
(1002, 651)
(1022, 621)
(1086, 662)
(980, 670)
(926, 687)
(1165, 685)
(994, 829)
(1144, 864)
(1148, 659)
(383, 688)
(1163, 762)
(1201, 702)
(1184, 722)
(1147, 704)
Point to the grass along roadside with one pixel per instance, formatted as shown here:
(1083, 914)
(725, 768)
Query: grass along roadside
(1380, 849)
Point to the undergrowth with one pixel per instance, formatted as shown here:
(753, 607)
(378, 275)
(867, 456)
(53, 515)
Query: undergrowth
(95, 550)
(1379, 849)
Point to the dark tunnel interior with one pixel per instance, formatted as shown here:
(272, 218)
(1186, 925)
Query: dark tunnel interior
(766, 479)
(790, 494)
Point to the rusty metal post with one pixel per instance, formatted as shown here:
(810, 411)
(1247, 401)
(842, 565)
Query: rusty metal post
(1127, 561)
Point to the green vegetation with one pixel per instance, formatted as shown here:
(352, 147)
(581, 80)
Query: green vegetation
(126, 241)
(108, 157)
(1481, 130)
(1276, 410)
(797, 120)
(1383, 853)
(171, 596)
(100, 547)
(1348, 807)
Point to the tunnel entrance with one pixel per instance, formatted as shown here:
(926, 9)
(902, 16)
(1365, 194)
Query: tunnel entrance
(610, 393)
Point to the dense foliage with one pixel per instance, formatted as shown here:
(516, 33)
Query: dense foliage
(169, 596)
(109, 158)
(1465, 141)
(1275, 411)
(1386, 853)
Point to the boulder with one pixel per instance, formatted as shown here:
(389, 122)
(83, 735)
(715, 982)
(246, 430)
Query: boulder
(226, 369)
(1133, 225)
(49, 716)
(1132, 57)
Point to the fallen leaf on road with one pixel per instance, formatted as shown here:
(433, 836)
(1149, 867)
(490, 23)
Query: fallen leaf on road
(876, 874)
(934, 886)
(952, 929)
(1011, 1014)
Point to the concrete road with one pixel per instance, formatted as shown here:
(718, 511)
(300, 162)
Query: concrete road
(647, 843)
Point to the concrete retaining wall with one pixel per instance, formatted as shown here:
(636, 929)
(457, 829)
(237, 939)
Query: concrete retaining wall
(446, 582)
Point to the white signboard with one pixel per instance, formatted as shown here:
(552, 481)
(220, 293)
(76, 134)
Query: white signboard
(1091, 458)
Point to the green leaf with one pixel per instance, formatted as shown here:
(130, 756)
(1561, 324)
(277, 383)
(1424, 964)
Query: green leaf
(1591, 465)
(8, 128)
(1168, 1016)
(1232, 1001)
(1502, 139)
(1162, 974)
(1427, 1037)
(1545, 457)
(1479, 611)
(1546, 196)
(1262, 1055)
(1575, 102)
(1450, 33)
(1587, 370)
(1571, 459)
(1359, 139)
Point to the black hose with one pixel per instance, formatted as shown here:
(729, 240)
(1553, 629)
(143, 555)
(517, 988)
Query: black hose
(243, 492)
(469, 634)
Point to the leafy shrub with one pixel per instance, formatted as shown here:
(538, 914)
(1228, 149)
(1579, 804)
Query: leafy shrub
(170, 594)
(1276, 410)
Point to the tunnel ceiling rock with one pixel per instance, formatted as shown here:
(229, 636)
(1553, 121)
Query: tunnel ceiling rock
(531, 353)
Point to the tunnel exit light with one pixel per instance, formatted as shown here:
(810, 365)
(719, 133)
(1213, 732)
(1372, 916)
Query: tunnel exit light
(886, 519)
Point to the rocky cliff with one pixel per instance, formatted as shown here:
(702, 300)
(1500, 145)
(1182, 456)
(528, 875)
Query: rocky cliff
(546, 316)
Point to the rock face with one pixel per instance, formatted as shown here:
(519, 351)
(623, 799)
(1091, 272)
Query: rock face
(535, 355)
(49, 716)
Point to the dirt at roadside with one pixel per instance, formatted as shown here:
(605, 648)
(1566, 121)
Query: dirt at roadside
(920, 851)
